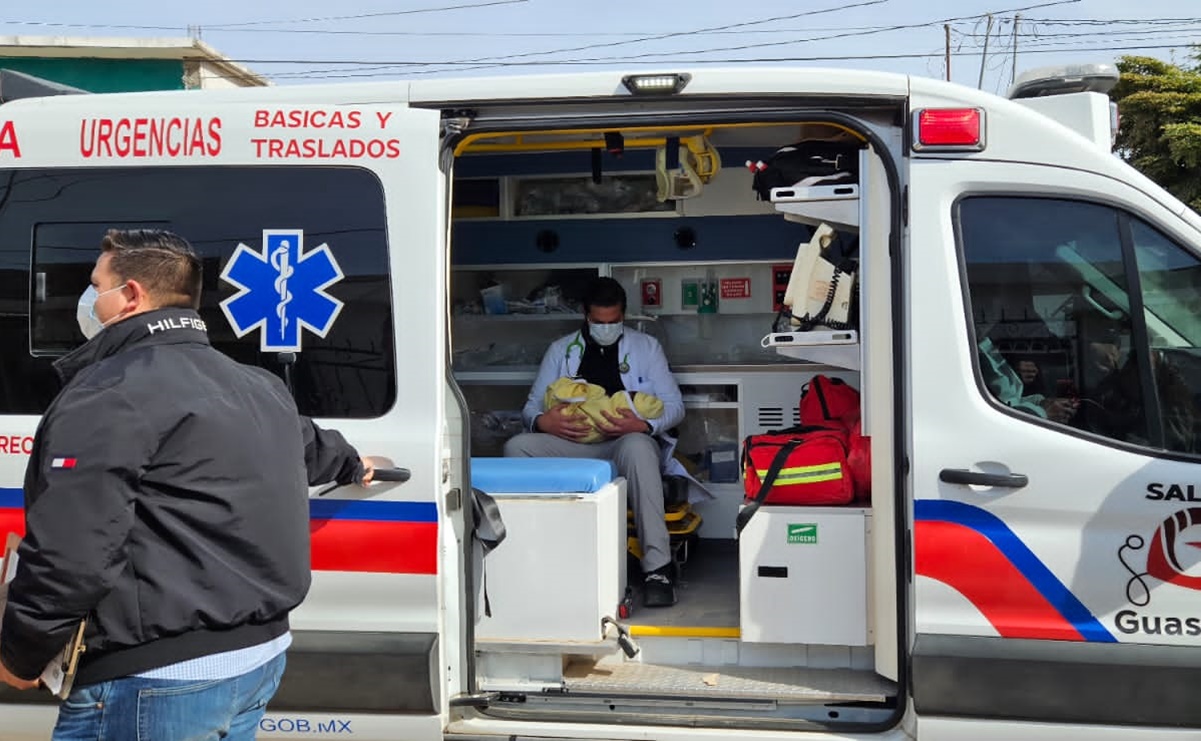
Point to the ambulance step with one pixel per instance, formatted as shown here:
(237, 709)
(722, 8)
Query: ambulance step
(782, 684)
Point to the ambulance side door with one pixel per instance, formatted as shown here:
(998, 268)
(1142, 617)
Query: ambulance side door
(1054, 381)
(321, 231)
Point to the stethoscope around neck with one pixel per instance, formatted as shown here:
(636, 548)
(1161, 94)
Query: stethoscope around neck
(577, 344)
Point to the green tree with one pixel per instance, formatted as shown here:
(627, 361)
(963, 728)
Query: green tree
(1160, 134)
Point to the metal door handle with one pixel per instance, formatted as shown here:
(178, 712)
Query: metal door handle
(976, 478)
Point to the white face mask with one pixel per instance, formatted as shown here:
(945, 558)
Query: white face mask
(605, 334)
(85, 312)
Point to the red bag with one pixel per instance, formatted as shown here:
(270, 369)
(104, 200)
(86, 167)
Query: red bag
(830, 402)
(797, 466)
(859, 461)
(834, 403)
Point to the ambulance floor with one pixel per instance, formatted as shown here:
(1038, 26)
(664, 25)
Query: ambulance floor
(706, 594)
(778, 684)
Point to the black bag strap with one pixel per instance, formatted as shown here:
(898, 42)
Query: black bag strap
(777, 464)
(489, 529)
(489, 525)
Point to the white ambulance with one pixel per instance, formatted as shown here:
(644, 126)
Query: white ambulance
(1023, 327)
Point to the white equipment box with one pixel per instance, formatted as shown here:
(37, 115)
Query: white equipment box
(803, 576)
(561, 567)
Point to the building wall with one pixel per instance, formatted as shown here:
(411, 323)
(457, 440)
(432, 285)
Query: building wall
(208, 76)
(103, 75)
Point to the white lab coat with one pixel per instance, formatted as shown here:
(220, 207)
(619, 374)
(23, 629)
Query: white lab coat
(643, 368)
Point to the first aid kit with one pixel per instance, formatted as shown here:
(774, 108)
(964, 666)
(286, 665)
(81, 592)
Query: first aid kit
(832, 402)
(796, 466)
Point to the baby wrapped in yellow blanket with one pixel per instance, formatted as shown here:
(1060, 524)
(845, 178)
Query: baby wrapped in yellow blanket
(589, 401)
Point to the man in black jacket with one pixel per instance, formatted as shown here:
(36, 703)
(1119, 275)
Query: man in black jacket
(166, 503)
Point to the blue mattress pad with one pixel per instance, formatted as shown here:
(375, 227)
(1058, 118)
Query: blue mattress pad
(540, 475)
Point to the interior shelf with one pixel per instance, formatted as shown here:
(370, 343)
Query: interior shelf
(710, 404)
(837, 347)
(517, 317)
(836, 205)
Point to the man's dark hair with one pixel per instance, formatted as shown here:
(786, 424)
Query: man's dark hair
(163, 262)
(605, 292)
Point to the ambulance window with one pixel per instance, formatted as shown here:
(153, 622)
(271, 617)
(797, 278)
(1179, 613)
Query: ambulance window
(1170, 279)
(54, 219)
(1049, 306)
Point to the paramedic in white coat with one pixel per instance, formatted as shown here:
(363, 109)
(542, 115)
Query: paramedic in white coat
(607, 353)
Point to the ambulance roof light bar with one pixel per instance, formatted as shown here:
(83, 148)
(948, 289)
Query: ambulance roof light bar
(662, 84)
(1063, 79)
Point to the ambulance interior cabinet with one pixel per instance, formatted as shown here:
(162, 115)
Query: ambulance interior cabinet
(803, 576)
(561, 567)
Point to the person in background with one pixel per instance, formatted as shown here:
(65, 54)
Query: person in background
(608, 354)
(1006, 384)
(165, 502)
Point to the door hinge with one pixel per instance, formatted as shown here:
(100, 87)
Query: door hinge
(454, 500)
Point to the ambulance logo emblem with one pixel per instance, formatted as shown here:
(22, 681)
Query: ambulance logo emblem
(1173, 555)
(281, 289)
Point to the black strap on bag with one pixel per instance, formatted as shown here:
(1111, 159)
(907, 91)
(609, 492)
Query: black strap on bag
(489, 530)
(773, 471)
(777, 464)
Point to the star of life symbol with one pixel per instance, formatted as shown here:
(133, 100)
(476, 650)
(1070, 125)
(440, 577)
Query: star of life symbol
(281, 289)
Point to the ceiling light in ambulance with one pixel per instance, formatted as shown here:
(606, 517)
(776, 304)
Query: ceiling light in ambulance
(668, 84)
(948, 129)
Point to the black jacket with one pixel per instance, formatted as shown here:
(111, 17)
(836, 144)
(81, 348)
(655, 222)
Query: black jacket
(166, 501)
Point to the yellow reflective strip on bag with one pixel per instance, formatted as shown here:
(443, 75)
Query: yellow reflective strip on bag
(806, 474)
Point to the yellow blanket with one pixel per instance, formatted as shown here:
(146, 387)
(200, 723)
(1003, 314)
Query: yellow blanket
(589, 402)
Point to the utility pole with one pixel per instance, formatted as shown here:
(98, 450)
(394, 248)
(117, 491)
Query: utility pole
(946, 27)
(984, 57)
(1013, 73)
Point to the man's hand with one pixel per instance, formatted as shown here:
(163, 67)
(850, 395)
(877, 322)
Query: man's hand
(558, 422)
(623, 422)
(1060, 410)
(368, 471)
(15, 682)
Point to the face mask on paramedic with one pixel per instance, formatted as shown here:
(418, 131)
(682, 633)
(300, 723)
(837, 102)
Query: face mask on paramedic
(605, 334)
(85, 312)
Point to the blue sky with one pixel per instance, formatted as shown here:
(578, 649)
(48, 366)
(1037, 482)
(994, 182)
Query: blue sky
(307, 40)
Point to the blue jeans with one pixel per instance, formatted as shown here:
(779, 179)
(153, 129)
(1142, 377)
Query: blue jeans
(138, 709)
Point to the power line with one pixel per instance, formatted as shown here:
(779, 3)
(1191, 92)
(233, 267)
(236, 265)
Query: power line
(675, 34)
(874, 30)
(1109, 21)
(1183, 38)
(1093, 34)
(886, 29)
(247, 26)
(362, 16)
(727, 27)
(682, 62)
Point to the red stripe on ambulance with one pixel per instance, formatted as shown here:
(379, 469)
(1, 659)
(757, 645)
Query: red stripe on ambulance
(970, 563)
(372, 546)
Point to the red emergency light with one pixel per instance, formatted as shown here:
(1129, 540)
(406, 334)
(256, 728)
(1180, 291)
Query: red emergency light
(949, 129)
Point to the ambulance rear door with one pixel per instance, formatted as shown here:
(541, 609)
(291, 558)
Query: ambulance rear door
(320, 224)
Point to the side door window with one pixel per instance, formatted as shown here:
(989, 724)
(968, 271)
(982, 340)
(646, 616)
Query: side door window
(1074, 329)
(337, 285)
(1170, 279)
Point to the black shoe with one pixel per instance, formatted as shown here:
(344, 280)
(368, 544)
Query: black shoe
(657, 590)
